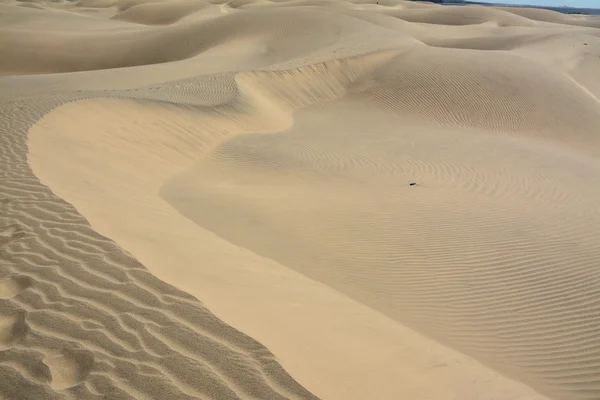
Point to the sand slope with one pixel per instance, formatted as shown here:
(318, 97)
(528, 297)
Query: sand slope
(81, 318)
(259, 156)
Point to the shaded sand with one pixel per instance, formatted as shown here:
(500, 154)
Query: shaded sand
(397, 200)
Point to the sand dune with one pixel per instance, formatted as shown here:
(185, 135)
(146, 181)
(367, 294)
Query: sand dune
(389, 199)
(537, 14)
(164, 13)
(81, 318)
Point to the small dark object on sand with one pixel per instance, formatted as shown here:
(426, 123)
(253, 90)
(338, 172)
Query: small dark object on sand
(585, 44)
(412, 184)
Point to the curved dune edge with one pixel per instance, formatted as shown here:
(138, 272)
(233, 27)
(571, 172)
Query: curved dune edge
(318, 332)
(82, 319)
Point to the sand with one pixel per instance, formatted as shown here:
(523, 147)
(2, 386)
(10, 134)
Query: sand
(298, 199)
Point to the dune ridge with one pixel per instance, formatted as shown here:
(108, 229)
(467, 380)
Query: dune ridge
(397, 199)
(140, 140)
(81, 318)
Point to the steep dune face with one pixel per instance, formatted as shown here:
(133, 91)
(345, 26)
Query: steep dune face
(398, 200)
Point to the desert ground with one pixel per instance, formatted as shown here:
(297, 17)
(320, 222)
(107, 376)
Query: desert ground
(301, 199)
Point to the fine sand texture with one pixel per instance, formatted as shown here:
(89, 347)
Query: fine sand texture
(298, 199)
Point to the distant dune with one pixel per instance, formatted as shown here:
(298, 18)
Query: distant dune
(298, 199)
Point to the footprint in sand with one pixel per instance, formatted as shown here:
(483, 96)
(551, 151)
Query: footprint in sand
(69, 367)
(13, 285)
(10, 233)
(12, 330)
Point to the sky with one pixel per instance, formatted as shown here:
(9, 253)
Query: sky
(569, 3)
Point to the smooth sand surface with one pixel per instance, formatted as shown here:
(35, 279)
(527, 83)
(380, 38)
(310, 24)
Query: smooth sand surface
(298, 199)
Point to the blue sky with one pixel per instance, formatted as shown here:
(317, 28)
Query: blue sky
(569, 3)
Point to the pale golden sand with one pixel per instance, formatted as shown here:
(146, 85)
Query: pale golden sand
(258, 156)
